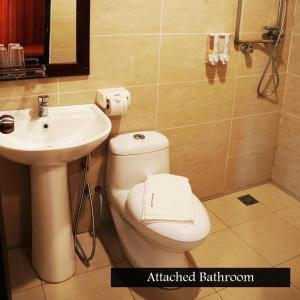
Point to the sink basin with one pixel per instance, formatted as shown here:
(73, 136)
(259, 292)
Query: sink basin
(68, 133)
(47, 144)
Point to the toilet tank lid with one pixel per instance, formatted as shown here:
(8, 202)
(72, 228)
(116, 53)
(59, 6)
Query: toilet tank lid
(138, 143)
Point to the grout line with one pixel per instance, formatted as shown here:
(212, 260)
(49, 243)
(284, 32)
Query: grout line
(230, 133)
(218, 121)
(250, 246)
(125, 34)
(221, 80)
(286, 261)
(217, 292)
(263, 151)
(289, 57)
(44, 292)
(293, 74)
(276, 213)
(207, 208)
(291, 115)
(175, 33)
(27, 96)
(149, 84)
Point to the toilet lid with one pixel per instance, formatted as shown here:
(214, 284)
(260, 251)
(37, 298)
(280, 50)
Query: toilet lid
(179, 231)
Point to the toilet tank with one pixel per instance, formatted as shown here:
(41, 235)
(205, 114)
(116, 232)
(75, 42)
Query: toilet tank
(133, 156)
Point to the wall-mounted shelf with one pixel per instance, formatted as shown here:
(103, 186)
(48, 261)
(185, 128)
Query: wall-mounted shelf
(29, 72)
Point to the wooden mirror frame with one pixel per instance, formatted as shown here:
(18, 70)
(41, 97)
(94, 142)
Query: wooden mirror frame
(82, 64)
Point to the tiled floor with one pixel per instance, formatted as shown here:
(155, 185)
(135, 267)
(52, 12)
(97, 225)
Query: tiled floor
(264, 235)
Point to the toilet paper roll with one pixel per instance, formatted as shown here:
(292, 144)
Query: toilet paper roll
(117, 106)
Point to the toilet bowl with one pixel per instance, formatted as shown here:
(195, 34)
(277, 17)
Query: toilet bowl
(131, 158)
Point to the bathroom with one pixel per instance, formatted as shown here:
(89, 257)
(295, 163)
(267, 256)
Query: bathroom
(153, 59)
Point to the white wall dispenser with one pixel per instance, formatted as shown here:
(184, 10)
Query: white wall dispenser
(224, 44)
(213, 49)
(114, 101)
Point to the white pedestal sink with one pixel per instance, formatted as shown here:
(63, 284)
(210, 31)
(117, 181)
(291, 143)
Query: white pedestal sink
(47, 144)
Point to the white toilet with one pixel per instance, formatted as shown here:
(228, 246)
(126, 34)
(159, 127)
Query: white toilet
(132, 157)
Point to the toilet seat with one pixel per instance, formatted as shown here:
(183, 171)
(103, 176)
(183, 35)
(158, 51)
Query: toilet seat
(182, 232)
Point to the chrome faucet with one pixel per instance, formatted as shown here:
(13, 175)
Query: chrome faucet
(43, 105)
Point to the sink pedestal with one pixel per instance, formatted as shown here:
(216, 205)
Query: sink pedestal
(53, 254)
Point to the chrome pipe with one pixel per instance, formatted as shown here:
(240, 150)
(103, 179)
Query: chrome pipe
(239, 42)
(238, 21)
(279, 13)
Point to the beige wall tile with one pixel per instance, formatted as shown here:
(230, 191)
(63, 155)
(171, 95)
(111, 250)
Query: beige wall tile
(255, 63)
(283, 239)
(141, 114)
(289, 135)
(199, 16)
(296, 28)
(257, 14)
(24, 88)
(291, 97)
(14, 177)
(183, 58)
(290, 19)
(248, 169)
(286, 171)
(15, 196)
(294, 65)
(17, 218)
(110, 240)
(194, 103)
(63, 8)
(77, 98)
(124, 60)
(26, 102)
(199, 152)
(247, 101)
(63, 33)
(123, 17)
(78, 84)
(254, 133)
(63, 55)
(21, 273)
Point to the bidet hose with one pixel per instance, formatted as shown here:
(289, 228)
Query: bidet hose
(85, 192)
(273, 59)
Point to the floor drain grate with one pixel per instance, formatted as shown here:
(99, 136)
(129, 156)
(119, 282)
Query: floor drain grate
(248, 200)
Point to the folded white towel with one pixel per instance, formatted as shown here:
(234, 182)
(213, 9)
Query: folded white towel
(167, 198)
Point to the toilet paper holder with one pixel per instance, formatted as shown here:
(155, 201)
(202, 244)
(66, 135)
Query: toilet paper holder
(105, 96)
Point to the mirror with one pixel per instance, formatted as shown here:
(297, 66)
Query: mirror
(62, 31)
(53, 33)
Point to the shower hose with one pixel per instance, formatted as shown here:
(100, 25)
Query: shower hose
(273, 60)
(85, 194)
